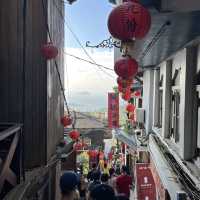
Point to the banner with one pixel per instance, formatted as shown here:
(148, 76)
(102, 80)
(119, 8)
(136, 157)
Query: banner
(144, 182)
(113, 110)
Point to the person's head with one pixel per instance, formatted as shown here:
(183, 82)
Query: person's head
(68, 183)
(111, 171)
(96, 175)
(104, 178)
(94, 166)
(102, 192)
(124, 169)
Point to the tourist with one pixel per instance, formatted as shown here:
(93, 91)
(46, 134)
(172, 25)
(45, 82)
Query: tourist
(123, 182)
(102, 192)
(82, 187)
(104, 178)
(112, 179)
(90, 173)
(68, 186)
(106, 169)
(96, 180)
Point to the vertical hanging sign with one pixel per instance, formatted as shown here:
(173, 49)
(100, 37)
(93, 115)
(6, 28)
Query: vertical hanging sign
(113, 110)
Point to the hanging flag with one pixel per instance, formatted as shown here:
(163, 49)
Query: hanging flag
(113, 110)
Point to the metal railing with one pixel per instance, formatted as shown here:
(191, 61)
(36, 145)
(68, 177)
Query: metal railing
(11, 157)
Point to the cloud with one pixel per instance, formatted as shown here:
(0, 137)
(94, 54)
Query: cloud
(87, 84)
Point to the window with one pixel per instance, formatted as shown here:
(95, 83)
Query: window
(175, 115)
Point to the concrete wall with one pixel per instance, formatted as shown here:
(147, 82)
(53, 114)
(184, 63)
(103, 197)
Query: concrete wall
(148, 80)
(185, 62)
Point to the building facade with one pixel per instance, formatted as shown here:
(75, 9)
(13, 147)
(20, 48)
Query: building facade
(169, 63)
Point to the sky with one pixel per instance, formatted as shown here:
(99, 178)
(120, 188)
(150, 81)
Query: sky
(86, 85)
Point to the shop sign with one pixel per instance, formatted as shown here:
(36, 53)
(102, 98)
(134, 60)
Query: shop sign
(145, 184)
(113, 110)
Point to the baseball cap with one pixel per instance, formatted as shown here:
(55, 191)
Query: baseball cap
(68, 182)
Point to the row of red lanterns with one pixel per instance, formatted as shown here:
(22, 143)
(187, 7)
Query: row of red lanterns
(126, 22)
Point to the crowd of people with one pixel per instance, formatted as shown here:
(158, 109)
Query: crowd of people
(101, 183)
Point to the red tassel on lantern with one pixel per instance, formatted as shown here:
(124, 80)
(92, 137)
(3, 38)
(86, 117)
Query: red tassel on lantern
(74, 135)
(130, 107)
(129, 20)
(49, 51)
(66, 121)
(126, 67)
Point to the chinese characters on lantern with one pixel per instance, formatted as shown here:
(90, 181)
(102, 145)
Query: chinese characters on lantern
(113, 110)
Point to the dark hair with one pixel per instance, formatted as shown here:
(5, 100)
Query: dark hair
(96, 175)
(124, 169)
(102, 192)
(94, 165)
(68, 182)
(111, 171)
(104, 178)
(105, 165)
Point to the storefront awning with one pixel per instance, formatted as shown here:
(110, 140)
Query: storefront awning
(130, 140)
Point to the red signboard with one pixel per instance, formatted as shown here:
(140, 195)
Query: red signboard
(113, 110)
(161, 192)
(145, 183)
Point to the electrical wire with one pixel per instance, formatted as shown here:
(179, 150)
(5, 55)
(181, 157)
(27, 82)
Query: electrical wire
(82, 59)
(55, 62)
(78, 41)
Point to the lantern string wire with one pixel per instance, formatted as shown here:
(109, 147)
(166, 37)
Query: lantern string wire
(55, 62)
(77, 39)
(82, 59)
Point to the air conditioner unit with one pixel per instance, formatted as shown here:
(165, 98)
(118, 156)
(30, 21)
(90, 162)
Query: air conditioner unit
(140, 115)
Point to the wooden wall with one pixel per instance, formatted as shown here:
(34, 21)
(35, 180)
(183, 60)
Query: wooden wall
(29, 87)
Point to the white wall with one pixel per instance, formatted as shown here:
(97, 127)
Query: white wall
(148, 80)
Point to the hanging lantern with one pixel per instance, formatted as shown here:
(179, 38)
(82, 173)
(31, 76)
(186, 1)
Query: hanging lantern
(129, 20)
(77, 146)
(49, 51)
(126, 95)
(74, 135)
(130, 107)
(66, 121)
(126, 67)
(137, 93)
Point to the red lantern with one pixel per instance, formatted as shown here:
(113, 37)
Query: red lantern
(77, 146)
(137, 93)
(127, 95)
(126, 67)
(66, 121)
(129, 20)
(130, 107)
(74, 135)
(49, 51)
